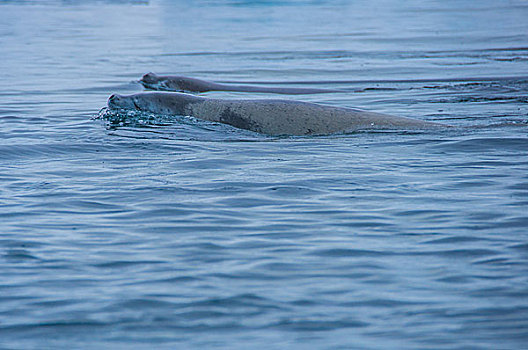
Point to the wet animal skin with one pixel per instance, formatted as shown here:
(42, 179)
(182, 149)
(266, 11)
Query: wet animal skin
(192, 85)
(272, 117)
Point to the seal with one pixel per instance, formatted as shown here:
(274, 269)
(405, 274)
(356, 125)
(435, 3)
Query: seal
(272, 117)
(185, 84)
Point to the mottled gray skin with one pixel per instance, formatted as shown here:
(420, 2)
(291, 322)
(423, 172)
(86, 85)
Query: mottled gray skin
(272, 117)
(184, 84)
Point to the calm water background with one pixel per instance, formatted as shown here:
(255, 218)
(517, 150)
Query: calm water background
(173, 233)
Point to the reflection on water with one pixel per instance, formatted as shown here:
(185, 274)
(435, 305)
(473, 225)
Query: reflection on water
(177, 233)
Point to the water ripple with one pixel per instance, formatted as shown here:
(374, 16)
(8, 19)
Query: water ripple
(139, 230)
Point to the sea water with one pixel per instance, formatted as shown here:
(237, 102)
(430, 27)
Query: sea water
(148, 232)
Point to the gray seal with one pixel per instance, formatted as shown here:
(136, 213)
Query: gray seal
(185, 84)
(272, 117)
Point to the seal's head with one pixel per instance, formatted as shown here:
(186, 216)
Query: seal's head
(146, 102)
(154, 102)
(175, 83)
(121, 102)
(150, 79)
(164, 83)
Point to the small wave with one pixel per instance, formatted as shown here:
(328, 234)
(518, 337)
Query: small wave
(476, 99)
(511, 59)
(307, 325)
(481, 144)
(346, 252)
(19, 255)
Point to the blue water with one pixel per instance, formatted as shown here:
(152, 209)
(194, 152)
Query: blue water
(172, 233)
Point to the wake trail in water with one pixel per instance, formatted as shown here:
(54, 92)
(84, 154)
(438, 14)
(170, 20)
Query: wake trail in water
(380, 81)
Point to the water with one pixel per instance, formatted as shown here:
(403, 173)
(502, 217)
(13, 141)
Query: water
(177, 233)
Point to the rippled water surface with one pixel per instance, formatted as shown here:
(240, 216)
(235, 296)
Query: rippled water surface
(172, 233)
